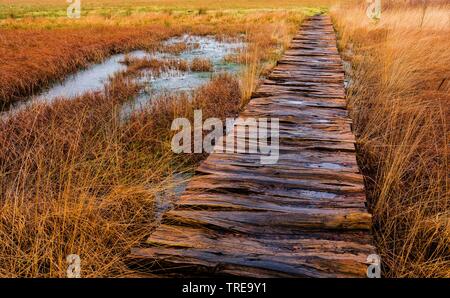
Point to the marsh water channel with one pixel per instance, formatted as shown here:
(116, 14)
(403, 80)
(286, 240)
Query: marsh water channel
(95, 77)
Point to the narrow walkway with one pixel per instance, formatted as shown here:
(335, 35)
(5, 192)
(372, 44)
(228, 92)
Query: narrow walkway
(304, 216)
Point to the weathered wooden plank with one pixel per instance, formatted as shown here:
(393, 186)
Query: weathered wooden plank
(311, 255)
(241, 183)
(296, 101)
(269, 201)
(305, 215)
(249, 222)
(188, 262)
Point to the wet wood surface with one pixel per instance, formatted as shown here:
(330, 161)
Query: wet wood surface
(304, 216)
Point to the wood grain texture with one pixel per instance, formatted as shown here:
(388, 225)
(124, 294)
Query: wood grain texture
(304, 216)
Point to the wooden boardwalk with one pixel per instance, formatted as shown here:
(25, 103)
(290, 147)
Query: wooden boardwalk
(304, 216)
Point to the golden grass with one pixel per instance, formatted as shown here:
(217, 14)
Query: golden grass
(398, 100)
(200, 64)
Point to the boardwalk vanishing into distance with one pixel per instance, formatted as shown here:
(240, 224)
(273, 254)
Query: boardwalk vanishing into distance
(304, 216)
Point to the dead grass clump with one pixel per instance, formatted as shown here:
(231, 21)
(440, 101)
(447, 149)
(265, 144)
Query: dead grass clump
(174, 48)
(177, 48)
(398, 99)
(238, 57)
(265, 46)
(201, 65)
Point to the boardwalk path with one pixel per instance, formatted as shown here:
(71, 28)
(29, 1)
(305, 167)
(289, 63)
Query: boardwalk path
(304, 216)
